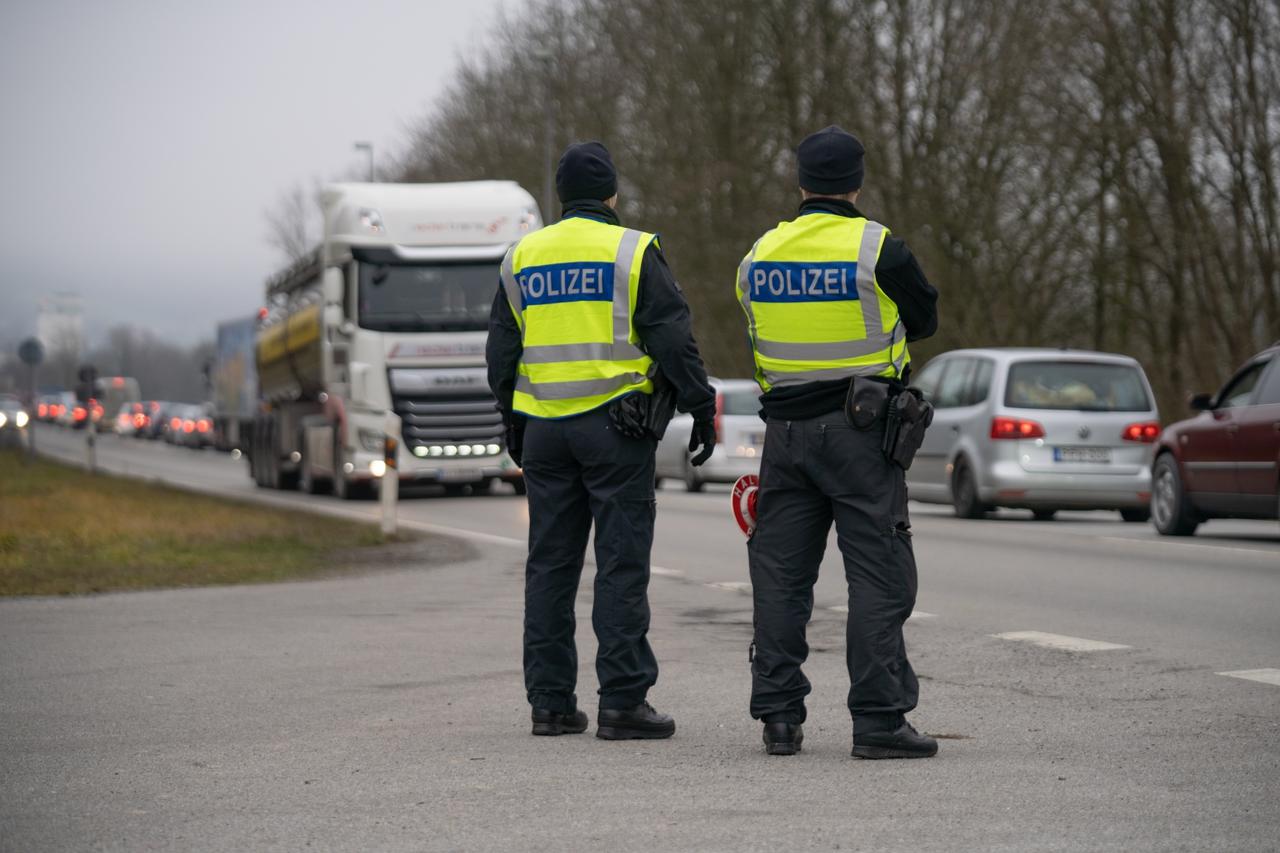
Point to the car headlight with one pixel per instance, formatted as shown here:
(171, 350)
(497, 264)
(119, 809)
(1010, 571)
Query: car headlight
(21, 419)
(377, 467)
(4, 419)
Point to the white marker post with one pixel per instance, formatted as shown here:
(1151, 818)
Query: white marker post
(89, 442)
(389, 488)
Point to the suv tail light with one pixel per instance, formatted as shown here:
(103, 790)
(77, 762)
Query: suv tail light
(1015, 428)
(1145, 432)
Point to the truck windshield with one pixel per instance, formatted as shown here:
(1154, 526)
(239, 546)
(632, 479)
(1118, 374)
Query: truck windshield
(426, 297)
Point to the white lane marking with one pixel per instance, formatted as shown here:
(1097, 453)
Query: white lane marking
(1059, 641)
(915, 614)
(664, 572)
(1200, 545)
(1265, 676)
(731, 586)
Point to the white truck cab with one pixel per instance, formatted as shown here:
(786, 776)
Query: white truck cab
(389, 314)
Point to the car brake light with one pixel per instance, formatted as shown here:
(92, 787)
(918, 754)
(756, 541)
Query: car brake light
(1146, 432)
(719, 422)
(42, 410)
(175, 423)
(79, 413)
(1015, 428)
(203, 426)
(188, 426)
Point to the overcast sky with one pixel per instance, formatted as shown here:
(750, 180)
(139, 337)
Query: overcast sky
(140, 142)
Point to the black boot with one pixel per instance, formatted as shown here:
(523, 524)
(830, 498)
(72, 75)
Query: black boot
(554, 723)
(902, 742)
(640, 722)
(783, 738)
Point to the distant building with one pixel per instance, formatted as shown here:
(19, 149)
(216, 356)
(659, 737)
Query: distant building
(60, 323)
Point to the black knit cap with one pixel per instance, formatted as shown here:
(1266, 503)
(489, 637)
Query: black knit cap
(830, 162)
(586, 171)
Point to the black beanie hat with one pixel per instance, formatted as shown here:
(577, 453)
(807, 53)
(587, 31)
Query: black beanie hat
(586, 171)
(830, 162)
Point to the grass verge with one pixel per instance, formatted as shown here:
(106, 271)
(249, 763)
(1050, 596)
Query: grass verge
(63, 532)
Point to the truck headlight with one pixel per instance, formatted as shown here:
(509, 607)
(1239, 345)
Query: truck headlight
(4, 419)
(377, 467)
(371, 220)
(371, 440)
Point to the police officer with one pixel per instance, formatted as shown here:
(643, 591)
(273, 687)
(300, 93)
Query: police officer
(587, 314)
(830, 296)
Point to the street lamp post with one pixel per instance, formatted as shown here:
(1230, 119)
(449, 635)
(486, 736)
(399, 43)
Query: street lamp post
(367, 148)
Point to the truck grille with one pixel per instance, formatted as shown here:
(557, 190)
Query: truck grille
(459, 418)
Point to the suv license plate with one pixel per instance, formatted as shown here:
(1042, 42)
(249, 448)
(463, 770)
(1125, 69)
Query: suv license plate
(1095, 455)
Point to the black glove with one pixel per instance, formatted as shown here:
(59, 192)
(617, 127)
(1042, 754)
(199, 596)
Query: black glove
(628, 415)
(515, 439)
(704, 436)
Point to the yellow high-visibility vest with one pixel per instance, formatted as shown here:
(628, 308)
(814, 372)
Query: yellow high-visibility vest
(572, 288)
(814, 309)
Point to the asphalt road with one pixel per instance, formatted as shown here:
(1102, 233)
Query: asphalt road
(385, 712)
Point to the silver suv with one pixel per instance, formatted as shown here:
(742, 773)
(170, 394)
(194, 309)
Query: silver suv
(1039, 429)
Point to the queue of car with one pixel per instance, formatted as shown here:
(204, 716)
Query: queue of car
(1037, 429)
(181, 424)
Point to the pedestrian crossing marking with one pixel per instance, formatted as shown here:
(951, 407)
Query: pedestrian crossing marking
(1059, 641)
(1265, 676)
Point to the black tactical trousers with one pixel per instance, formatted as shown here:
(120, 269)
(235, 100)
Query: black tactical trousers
(579, 470)
(813, 472)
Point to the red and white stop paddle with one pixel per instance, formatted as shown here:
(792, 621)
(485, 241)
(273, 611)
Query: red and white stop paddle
(745, 492)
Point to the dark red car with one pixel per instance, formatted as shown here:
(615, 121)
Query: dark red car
(1225, 461)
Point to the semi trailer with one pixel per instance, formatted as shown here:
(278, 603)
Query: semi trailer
(234, 381)
(388, 314)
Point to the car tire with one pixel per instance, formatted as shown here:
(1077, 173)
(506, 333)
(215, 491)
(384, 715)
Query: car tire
(1170, 510)
(691, 481)
(1043, 514)
(964, 493)
(1135, 516)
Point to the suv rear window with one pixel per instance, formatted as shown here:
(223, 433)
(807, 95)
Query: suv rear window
(1076, 385)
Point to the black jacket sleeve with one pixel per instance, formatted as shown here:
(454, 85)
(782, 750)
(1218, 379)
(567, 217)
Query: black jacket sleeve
(663, 323)
(502, 353)
(900, 277)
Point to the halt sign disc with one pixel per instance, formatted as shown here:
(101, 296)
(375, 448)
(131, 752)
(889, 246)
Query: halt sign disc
(744, 502)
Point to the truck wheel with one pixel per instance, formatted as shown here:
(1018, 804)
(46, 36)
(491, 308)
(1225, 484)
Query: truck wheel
(343, 488)
(1170, 509)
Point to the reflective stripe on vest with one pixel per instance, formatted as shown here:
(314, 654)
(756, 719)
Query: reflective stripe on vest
(814, 310)
(572, 288)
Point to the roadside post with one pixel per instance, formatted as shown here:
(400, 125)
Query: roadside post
(389, 488)
(85, 393)
(31, 352)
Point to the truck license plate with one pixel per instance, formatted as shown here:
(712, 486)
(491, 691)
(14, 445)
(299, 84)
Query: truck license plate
(460, 475)
(1094, 455)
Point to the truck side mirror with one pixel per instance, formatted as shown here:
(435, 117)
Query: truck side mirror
(1200, 402)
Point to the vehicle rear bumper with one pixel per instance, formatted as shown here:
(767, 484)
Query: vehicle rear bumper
(1008, 484)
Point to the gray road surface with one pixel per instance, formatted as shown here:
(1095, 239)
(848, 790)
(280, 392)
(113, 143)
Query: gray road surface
(385, 711)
